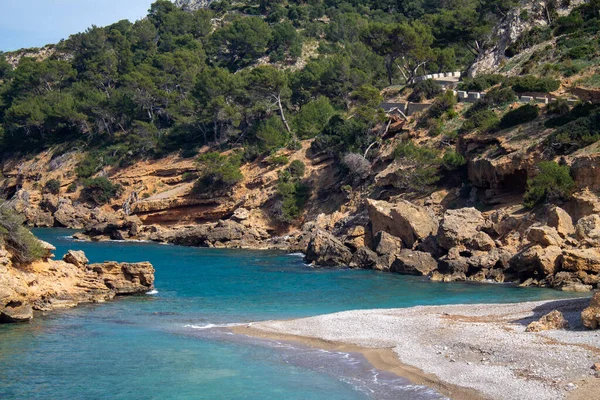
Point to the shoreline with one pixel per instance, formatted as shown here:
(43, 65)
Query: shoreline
(465, 352)
(381, 358)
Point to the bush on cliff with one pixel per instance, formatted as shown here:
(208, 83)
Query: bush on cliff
(420, 167)
(530, 83)
(100, 190)
(217, 172)
(425, 90)
(52, 186)
(521, 115)
(553, 182)
(293, 194)
(17, 239)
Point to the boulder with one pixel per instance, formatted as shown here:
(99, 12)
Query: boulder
(545, 260)
(15, 311)
(561, 221)
(458, 227)
(76, 258)
(588, 230)
(405, 220)
(386, 244)
(241, 214)
(48, 249)
(544, 236)
(355, 237)
(551, 321)
(365, 258)
(125, 278)
(591, 315)
(587, 260)
(325, 249)
(480, 241)
(414, 263)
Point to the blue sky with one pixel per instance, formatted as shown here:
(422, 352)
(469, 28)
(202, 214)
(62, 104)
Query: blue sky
(34, 23)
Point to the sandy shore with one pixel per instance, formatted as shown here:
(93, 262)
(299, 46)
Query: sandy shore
(464, 351)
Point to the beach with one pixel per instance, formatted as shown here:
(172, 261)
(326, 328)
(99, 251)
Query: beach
(464, 351)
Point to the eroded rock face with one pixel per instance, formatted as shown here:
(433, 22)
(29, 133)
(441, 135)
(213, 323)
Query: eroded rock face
(325, 249)
(545, 260)
(551, 321)
(459, 227)
(588, 230)
(365, 258)
(76, 258)
(587, 260)
(544, 236)
(47, 285)
(405, 220)
(414, 263)
(561, 221)
(591, 315)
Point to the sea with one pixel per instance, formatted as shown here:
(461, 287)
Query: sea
(175, 343)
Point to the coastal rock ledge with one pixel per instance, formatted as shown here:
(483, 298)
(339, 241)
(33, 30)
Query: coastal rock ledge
(52, 284)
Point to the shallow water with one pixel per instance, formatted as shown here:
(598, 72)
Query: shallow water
(165, 345)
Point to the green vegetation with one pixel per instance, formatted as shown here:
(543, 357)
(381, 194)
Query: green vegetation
(52, 186)
(553, 182)
(481, 82)
(297, 169)
(100, 190)
(530, 83)
(425, 90)
(217, 172)
(292, 192)
(17, 239)
(421, 164)
(521, 115)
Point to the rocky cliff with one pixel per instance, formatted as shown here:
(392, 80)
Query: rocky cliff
(49, 284)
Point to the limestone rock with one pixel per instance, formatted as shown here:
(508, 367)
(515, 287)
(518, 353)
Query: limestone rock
(15, 311)
(591, 315)
(241, 214)
(544, 236)
(365, 258)
(481, 241)
(459, 227)
(545, 260)
(414, 263)
(125, 278)
(325, 249)
(561, 221)
(405, 220)
(551, 321)
(581, 260)
(386, 244)
(76, 258)
(588, 230)
(48, 249)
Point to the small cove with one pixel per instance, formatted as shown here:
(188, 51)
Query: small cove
(157, 346)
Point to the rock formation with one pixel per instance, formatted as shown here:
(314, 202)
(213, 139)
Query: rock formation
(551, 321)
(591, 315)
(50, 284)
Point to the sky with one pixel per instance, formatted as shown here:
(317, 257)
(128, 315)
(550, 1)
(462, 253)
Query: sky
(35, 23)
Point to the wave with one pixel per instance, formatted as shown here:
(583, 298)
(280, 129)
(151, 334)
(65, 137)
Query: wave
(296, 254)
(211, 326)
(152, 292)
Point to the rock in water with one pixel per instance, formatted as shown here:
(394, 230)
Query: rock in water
(591, 315)
(325, 249)
(125, 278)
(414, 263)
(551, 321)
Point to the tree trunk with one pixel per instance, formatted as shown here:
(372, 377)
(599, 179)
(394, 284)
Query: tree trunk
(287, 126)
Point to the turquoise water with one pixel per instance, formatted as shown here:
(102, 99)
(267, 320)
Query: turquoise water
(164, 346)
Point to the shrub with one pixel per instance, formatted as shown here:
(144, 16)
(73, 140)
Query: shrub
(453, 160)
(277, 160)
(568, 24)
(481, 82)
(217, 172)
(357, 165)
(420, 167)
(552, 182)
(313, 117)
(560, 106)
(443, 104)
(100, 190)
(497, 97)
(521, 115)
(426, 89)
(189, 176)
(17, 239)
(293, 195)
(72, 188)
(88, 166)
(52, 186)
(576, 134)
(272, 134)
(483, 120)
(297, 169)
(530, 83)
